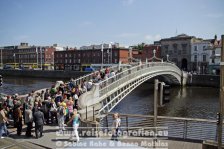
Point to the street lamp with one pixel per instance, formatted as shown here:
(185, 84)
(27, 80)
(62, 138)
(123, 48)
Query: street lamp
(14, 55)
(53, 58)
(102, 56)
(37, 56)
(1, 59)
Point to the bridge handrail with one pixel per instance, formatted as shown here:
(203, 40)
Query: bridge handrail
(182, 128)
(126, 73)
(90, 75)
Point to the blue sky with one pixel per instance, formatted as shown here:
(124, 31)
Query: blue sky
(85, 22)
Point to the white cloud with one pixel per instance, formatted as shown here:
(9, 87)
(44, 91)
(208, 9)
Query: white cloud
(128, 35)
(153, 37)
(128, 2)
(215, 15)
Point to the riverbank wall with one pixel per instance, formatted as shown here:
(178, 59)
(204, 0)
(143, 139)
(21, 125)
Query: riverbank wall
(194, 80)
(43, 73)
(204, 80)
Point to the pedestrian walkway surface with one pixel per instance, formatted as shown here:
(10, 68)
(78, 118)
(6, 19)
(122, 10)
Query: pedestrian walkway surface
(51, 140)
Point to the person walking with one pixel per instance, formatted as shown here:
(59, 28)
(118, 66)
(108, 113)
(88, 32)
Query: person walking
(75, 120)
(116, 126)
(3, 121)
(29, 121)
(38, 118)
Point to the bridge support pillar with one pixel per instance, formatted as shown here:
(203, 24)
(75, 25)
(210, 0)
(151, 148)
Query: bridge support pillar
(156, 82)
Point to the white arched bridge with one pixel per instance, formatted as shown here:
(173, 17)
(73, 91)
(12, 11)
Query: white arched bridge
(104, 96)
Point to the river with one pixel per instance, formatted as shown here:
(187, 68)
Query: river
(193, 102)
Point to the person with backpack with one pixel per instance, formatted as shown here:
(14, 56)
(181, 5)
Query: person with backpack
(60, 116)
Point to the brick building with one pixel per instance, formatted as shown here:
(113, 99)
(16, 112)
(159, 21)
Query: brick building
(146, 52)
(28, 56)
(80, 59)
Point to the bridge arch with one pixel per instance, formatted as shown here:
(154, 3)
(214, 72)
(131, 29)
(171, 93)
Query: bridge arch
(106, 95)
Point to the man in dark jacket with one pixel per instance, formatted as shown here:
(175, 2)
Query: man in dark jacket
(38, 118)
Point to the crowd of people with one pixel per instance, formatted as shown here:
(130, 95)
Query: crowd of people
(56, 105)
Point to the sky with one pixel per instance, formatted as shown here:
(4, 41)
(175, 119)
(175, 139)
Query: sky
(76, 23)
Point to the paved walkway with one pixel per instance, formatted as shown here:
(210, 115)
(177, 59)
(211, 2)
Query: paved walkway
(54, 140)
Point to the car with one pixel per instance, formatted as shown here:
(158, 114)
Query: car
(8, 67)
(90, 69)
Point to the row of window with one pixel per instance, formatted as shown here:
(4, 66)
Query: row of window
(203, 58)
(30, 56)
(58, 55)
(175, 51)
(70, 61)
(196, 48)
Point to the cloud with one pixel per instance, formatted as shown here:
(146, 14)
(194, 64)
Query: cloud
(128, 35)
(152, 37)
(215, 15)
(128, 2)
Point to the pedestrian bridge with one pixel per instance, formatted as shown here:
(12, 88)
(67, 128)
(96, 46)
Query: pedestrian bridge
(104, 96)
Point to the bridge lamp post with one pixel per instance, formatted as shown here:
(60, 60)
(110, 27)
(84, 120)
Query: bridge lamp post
(167, 57)
(154, 55)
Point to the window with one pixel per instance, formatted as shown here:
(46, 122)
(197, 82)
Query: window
(175, 48)
(213, 60)
(195, 58)
(204, 58)
(204, 48)
(184, 47)
(179, 52)
(115, 60)
(166, 49)
(195, 48)
(66, 61)
(66, 55)
(115, 54)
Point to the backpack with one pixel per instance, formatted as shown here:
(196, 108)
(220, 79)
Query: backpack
(61, 111)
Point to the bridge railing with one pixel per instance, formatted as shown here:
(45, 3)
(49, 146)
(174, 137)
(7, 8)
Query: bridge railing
(91, 75)
(134, 72)
(182, 128)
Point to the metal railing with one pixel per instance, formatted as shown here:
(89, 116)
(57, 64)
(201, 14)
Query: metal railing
(135, 72)
(180, 128)
(91, 75)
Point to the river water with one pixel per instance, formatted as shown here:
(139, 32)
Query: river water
(193, 102)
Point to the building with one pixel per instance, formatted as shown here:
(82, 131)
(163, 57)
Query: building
(28, 57)
(147, 52)
(200, 56)
(80, 59)
(215, 56)
(178, 50)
